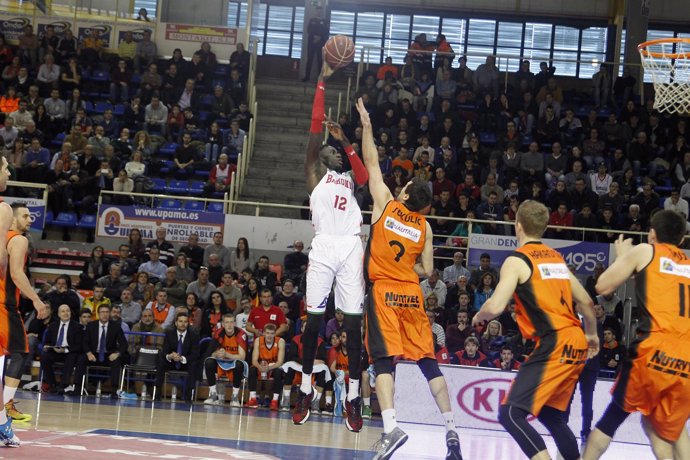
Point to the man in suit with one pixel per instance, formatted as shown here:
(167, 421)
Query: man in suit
(63, 344)
(180, 353)
(104, 345)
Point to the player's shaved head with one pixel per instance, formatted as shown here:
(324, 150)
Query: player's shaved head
(533, 217)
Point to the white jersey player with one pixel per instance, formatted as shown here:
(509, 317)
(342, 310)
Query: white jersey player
(336, 254)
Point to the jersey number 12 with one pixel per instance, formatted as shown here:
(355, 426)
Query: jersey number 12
(340, 202)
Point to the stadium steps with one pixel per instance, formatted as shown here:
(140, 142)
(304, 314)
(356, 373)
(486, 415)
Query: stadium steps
(276, 171)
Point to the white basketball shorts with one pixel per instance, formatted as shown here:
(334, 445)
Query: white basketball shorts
(338, 258)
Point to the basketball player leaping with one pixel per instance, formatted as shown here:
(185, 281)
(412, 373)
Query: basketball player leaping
(395, 317)
(544, 290)
(13, 281)
(336, 254)
(654, 378)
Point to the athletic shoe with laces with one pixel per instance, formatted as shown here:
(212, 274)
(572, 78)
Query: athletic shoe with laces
(353, 418)
(212, 399)
(235, 402)
(366, 412)
(302, 410)
(453, 444)
(14, 414)
(274, 405)
(285, 405)
(315, 407)
(389, 443)
(7, 436)
(252, 403)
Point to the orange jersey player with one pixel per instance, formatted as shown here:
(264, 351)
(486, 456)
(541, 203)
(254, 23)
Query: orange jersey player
(226, 358)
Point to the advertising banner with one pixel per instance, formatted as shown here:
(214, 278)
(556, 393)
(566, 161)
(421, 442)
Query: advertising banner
(59, 24)
(199, 34)
(137, 33)
(582, 254)
(117, 221)
(36, 206)
(84, 30)
(12, 27)
(476, 395)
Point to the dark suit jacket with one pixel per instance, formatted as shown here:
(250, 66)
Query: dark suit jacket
(115, 340)
(190, 346)
(75, 335)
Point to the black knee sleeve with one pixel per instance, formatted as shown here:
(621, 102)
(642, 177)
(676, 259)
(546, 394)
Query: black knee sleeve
(383, 366)
(16, 365)
(554, 420)
(353, 328)
(429, 368)
(309, 341)
(613, 417)
(514, 420)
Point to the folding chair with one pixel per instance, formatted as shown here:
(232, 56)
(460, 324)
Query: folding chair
(227, 365)
(146, 361)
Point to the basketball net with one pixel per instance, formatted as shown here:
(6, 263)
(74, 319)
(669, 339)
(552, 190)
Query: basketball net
(667, 61)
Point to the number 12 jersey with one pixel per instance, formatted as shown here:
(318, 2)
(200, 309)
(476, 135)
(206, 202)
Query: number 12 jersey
(334, 209)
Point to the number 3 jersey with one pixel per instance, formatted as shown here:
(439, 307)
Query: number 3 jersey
(395, 243)
(663, 293)
(334, 209)
(544, 303)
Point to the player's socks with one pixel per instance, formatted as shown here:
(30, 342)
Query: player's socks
(3, 416)
(353, 391)
(235, 392)
(450, 421)
(8, 393)
(305, 386)
(329, 399)
(286, 395)
(212, 389)
(367, 401)
(252, 395)
(389, 421)
(276, 396)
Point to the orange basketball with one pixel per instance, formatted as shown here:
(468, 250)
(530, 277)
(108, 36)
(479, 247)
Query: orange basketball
(339, 51)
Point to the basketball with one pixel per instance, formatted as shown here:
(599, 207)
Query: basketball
(339, 51)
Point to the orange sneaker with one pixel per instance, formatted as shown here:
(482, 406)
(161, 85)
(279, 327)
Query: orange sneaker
(252, 403)
(274, 405)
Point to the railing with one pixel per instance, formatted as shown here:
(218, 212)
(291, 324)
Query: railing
(366, 51)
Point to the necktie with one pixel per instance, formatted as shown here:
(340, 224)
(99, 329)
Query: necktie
(101, 346)
(179, 351)
(61, 336)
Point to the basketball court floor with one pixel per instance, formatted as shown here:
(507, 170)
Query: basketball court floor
(95, 429)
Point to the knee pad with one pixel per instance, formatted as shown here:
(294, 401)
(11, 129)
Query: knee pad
(14, 368)
(613, 417)
(429, 368)
(383, 366)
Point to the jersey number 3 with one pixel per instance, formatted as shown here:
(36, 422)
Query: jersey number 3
(340, 202)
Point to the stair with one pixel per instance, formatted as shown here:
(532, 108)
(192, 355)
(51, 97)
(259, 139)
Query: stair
(276, 170)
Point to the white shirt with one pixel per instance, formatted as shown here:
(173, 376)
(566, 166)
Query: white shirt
(180, 338)
(680, 207)
(334, 209)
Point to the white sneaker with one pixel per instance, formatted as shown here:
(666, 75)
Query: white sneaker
(212, 399)
(235, 402)
(69, 388)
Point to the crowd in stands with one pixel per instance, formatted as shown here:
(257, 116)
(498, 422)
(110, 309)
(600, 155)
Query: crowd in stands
(81, 120)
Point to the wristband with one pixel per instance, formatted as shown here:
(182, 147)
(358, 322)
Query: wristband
(350, 151)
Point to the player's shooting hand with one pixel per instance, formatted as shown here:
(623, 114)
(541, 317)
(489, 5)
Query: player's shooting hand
(623, 246)
(335, 130)
(592, 345)
(42, 311)
(363, 114)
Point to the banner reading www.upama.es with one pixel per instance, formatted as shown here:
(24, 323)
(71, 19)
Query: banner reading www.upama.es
(582, 254)
(117, 221)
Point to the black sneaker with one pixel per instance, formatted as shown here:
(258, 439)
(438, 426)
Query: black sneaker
(389, 443)
(453, 444)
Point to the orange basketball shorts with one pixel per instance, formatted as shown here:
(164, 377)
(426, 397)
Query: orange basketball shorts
(12, 333)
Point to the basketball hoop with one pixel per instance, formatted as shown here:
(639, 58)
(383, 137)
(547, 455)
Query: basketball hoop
(667, 61)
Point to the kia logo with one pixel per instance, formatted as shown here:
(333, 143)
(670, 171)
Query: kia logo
(482, 398)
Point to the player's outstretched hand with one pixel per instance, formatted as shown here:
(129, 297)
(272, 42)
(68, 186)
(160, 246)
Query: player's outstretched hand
(326, 70)
(42, 311)
(623, 246)
(363, 114)
(335, 130)
(592, 345)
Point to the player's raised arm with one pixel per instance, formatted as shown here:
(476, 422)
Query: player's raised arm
(378, 189)
(313, 162)
(628, 260)
(513, 271)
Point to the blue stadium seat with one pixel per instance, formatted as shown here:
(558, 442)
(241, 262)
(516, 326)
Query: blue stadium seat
(100, 75)
(66, 219)
(88, 106)
(177, 187)
(119, 110)
(88, 221)
(215, 207)
(194, 205)
(59, 139)
(49, 218)
(168, 149)
(202, 173)
(487, 138)
(167, 167)
(207, 100)
(159, 185)
(170, 204)
(101, 107)
(196, 187)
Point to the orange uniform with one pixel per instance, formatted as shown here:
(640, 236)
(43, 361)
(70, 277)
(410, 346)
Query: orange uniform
(160, 314)
(266, 353)
(231, 345)
(655, 376)
(544, 313)
(12, 334)
(396, 323)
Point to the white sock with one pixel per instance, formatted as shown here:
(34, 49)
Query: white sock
(276, 396)
(3, 416)
(450, 421)
(389, 422)
(8, 393)
(286, 395)
(305, 386)
(367, 401)
(2, 367)
(353, 391)
(235, 392)
(329, 399)
(252, 395)
(212, 390)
